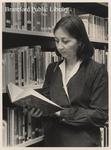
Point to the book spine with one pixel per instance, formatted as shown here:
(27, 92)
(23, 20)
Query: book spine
(13, 65)
(25, 17)
(27, 66)
(22, 68)
(8, 126)
(38, 17)
(23, 125)
(29, 17)
(19, 66)
(4, 133)
(4, 73)
(91, 28)
(20, 125)
(106, 29)
(14, 17)
(31, 64)
(22, 16)
(48, 18)
(29, 126)
(94, 27)
(19, 16)
(52, 17)
(34, 17)
(16, 67)
(42, 19)
(3, 15)
(10, 67)
(12, 135)
(103, 29)
(31, 9)
(8, 15)
(24, 65)
(15, 126)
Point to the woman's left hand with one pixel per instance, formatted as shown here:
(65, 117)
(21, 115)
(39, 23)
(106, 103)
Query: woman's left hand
(58, 113)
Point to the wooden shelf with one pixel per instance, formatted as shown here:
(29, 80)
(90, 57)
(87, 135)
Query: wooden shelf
(99, 41)
(99, 9)
(103, 4)
(31, 38)
(16, 38)
(31, 142)
(27, 32)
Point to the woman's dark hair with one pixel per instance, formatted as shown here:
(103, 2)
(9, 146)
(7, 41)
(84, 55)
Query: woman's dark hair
(75, 27)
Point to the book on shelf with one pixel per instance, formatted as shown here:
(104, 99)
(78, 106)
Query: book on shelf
(30, 98)
(96, 26)
(42, 17)
(20, 126)
(4, 131)
(26, 66)
(100, 56)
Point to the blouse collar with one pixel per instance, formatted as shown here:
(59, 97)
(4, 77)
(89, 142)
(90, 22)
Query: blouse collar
(71, 74)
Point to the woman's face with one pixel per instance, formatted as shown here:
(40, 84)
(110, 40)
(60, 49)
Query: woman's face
(66, 45)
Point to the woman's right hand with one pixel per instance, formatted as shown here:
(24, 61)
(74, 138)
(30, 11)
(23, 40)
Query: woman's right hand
(34, 112)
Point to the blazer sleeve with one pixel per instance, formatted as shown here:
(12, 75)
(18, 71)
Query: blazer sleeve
(97, 113)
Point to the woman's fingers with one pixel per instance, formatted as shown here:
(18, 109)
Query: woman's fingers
(58, 113)
(34, 112)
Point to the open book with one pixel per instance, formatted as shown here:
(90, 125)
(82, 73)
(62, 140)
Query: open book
(31, 98)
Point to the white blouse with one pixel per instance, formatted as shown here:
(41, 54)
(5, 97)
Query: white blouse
(72, 73)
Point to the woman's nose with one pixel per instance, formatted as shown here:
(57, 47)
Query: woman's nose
(60, 46)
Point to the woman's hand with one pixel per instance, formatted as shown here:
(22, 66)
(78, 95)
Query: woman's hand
(67, 112)
(58, 113)
(34, 112)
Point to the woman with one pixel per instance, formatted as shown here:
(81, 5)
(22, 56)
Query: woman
(77, 83)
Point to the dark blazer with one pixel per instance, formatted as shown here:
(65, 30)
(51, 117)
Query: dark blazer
(84, 111)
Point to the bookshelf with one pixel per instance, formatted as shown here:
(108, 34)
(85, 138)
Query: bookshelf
(31, 142)
(34, 35)
(44, 35)
(90, 8)
(33, 38)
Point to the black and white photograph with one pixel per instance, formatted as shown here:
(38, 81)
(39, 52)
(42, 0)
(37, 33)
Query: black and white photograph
(55, 74)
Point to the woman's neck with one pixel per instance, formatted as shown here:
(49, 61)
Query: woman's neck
(70, 62)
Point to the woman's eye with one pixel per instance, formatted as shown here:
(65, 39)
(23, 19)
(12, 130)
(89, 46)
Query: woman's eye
(65, 42)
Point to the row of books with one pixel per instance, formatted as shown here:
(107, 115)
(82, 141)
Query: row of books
(25, 66)
(20, 126)
(43, 17)
(100, 56)
(31, 16)
(96, 27)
